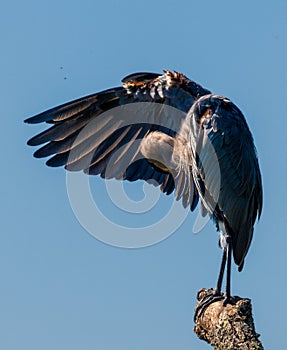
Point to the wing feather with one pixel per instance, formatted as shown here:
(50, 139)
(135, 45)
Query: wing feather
(102, 133)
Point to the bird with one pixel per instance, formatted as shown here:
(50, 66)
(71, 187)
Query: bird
(166, 129)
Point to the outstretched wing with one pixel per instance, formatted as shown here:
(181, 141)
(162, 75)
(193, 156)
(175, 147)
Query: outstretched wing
(103, 133)
(227, 171)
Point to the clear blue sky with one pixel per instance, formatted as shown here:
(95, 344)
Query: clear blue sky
(60, 287)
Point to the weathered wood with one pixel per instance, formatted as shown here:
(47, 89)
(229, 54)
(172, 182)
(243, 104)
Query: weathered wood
(229, 327)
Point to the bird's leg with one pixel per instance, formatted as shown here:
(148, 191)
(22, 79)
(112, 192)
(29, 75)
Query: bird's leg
(221, 273)
(228, 271)
(216, 294)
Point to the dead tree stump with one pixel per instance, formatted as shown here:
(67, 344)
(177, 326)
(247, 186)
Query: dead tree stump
(229, 327)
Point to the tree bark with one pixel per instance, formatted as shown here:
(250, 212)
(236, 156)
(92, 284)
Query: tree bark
(229, 327)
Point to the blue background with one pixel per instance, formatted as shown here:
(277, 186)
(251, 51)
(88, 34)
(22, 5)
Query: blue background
(61, 288)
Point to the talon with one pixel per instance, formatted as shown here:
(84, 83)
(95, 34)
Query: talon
(205, 302)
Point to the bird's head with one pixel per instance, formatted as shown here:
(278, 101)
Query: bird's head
(209, 106)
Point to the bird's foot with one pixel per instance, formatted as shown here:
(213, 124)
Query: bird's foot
(210, 296)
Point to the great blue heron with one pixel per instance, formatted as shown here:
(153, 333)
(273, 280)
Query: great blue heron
(180, 153)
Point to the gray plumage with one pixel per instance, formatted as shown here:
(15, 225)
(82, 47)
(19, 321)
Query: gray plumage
(186, 140)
